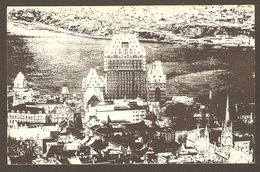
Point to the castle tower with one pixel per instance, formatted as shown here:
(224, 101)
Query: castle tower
(226, 135)
(156, 83)
(125, 67)
(20, 83)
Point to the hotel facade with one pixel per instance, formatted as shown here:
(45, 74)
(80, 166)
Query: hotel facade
(125, 67)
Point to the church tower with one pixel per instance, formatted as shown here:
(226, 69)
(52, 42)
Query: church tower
(226, 135)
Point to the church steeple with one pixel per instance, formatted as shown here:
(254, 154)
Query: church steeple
(227, 134)
(227, 111)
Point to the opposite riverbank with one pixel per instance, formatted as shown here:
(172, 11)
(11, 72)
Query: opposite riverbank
(25, 28)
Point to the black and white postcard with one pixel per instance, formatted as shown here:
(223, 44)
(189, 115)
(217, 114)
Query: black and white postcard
(140, 84)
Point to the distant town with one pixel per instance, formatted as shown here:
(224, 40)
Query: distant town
(125, 117)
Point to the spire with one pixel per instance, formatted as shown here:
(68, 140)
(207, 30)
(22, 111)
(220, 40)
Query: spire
(198, 131)
(206, 133)
(227, 110)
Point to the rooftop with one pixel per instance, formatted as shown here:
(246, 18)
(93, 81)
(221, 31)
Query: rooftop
(26, 109)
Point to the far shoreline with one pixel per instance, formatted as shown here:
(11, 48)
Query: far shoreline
(34, 26)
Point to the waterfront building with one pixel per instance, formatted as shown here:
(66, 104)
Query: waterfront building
(156, 83)
(125, 67)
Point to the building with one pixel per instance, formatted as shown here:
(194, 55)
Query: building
(22, 93)
(247, 119)
(156, 83)
(242, 144)
(121, 111)
(33, 133)
(125, 67)
(58, 114)
(23, 113)
(199, 140)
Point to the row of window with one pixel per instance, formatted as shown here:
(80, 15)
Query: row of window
(28, 112)
(25, 116)
(138, 115)
(112, 55)
(117, 62)
(12, 121)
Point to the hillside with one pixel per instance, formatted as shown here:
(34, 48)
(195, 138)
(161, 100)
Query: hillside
(158, 23)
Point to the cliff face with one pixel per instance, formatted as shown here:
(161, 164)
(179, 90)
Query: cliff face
(157, 27)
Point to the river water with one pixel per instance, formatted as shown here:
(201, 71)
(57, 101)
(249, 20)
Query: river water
(49, 59)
